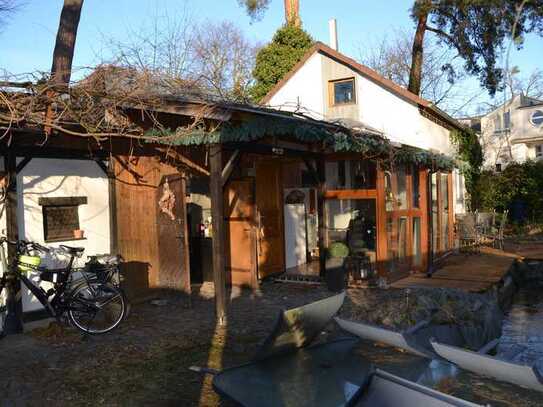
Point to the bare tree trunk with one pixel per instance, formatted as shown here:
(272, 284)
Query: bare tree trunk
(63, 54)
(415, 76)
(292, 12)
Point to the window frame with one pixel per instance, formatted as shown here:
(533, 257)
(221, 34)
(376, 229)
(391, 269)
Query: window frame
(532, 118)
(332, 92)
(71, 203)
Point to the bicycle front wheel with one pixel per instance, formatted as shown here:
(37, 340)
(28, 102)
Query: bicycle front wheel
(97, 308)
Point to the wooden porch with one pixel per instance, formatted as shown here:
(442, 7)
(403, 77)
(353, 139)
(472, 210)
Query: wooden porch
(474, 273)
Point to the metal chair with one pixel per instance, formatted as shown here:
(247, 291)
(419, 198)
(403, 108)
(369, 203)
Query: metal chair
(497, 236)
(468, 234)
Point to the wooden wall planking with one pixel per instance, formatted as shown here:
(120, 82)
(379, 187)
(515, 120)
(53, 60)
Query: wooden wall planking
(137, 180)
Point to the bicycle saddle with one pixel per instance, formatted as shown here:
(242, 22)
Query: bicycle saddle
(72, 250)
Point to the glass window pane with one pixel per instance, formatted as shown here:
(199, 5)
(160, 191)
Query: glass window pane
(417, 252)
(444, 190)
(396, 242)
(353, 222)
(435, 220)
(344, 92)
(401, 194)
(351, 174)
(416, 188)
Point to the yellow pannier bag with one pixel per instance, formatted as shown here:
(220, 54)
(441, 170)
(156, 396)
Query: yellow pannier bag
(26, 261)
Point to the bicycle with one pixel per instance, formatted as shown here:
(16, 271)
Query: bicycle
(92, 304)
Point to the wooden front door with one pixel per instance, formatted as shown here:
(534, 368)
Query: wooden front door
(269, 203)
(239, 210)
(172, 234)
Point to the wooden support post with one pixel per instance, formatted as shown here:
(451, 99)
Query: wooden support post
(13, 323)
(112, 190)
(320, 215)
(217, 214)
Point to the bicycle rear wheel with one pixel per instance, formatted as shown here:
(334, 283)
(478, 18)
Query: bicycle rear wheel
(97, 308)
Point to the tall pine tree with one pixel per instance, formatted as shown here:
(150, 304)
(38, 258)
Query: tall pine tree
(477, 30)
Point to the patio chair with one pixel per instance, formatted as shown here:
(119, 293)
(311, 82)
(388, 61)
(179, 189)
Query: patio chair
(468, 234)
(485, 222)
(496, 235)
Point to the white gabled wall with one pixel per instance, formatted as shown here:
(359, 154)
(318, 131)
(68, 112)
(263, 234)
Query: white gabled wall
(302, 90)
(398, 119)
(63, 178)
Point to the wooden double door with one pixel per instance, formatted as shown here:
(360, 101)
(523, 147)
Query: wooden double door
(254, 225)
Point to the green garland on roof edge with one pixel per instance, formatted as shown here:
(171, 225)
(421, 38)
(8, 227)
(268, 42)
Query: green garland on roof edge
(256, 129)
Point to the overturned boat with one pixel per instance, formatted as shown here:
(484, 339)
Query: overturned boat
(494, 367)
(290, 370)
(402, 340)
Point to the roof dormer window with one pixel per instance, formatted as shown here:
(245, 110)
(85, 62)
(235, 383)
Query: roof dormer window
(342, 92)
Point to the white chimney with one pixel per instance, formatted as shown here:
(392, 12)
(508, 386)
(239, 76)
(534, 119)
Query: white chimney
(333, 33)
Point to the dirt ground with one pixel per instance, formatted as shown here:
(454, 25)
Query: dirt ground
(145, 361)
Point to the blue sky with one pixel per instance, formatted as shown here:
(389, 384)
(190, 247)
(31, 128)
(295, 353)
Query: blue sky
(27, 42)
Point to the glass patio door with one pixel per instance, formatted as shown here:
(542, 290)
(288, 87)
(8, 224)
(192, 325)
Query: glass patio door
(441, 185)
(405, 216)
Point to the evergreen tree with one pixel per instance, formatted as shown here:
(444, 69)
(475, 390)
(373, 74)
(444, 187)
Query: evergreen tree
(277, 58)
(477, 30)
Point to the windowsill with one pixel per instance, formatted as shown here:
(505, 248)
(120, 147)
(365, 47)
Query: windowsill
(64, 239)
(343, 104)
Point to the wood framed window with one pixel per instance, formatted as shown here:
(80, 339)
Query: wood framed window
(342, 92)
(60, 217)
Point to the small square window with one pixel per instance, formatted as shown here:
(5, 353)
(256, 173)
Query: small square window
(60, 217)
(343, 91)
(498, 168)
(539, 151)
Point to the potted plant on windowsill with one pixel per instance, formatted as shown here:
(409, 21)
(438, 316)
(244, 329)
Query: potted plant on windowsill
(79, 234)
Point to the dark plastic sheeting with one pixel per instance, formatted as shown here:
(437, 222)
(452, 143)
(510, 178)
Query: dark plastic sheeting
(321, 375)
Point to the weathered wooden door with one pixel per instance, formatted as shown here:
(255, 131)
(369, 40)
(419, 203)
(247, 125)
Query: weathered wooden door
(239, 210)
(269, 203)
(172, 237)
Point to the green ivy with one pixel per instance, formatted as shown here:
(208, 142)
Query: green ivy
(470, 154)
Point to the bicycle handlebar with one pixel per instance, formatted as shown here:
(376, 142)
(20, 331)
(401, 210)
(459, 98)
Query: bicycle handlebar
(23, 245)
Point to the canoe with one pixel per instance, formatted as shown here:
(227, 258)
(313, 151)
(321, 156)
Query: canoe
(388, 390)
(328, 374)
(389, 337)
(522, 375)
(298, 327)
